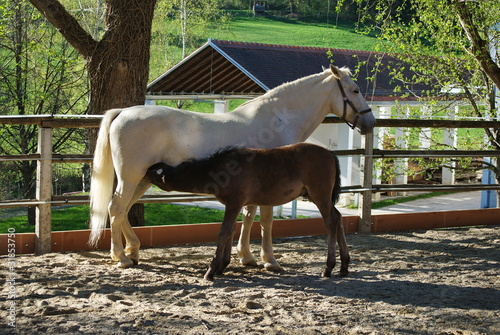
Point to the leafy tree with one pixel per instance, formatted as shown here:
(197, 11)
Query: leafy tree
(39, 74)
(449, 43)
(180, 26)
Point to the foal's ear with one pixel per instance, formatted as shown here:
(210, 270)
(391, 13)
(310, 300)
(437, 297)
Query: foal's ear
(335, 71)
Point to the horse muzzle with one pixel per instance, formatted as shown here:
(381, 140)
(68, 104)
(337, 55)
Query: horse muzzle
(365, 121)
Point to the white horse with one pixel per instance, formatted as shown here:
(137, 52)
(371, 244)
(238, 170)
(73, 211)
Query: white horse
(132, 139)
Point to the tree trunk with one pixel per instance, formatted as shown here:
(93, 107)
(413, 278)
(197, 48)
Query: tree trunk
(118, 64)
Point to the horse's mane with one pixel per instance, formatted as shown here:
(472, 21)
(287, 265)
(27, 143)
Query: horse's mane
(286, 85)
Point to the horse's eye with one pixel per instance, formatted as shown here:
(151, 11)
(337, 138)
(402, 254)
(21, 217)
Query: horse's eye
(356, 91)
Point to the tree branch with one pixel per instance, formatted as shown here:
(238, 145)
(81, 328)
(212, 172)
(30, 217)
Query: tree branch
(479, 46)
(67, 25)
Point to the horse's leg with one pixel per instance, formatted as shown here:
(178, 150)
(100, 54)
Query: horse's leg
(133, 243)
(222, 256)
(344, 251)
(266, 226)
(243, 247)
(118, 210)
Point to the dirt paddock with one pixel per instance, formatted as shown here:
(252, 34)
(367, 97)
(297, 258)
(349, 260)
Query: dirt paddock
(423, 282)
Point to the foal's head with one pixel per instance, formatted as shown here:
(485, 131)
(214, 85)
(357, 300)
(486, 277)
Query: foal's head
(157, 175)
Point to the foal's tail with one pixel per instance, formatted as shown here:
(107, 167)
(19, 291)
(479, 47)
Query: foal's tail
(101, 184)
(336, 187)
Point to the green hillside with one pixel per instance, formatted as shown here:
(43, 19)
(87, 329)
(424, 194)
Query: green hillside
(302, 32)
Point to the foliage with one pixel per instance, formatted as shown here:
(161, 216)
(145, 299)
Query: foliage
(447, 43)
(180, 26)
(39, 74)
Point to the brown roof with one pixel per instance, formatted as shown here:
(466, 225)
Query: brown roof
(240, 68)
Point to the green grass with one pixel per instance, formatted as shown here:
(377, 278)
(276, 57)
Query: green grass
(300, 32)
(77, 217)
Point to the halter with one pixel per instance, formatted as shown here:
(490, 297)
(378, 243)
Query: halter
(347, 101)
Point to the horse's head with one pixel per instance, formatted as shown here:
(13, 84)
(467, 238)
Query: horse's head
(351, 106)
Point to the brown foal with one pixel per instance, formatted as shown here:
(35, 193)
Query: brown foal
(268, 177)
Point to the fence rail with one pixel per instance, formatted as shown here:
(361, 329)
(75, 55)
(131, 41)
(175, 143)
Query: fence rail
(367, 153)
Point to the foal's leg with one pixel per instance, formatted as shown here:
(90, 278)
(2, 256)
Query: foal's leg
(266, 226)
(243, 247)
(332, 218)
(344, 252)
(222, 256)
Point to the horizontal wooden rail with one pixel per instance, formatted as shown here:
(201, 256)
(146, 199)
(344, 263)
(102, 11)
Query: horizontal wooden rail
(378, 153)
(53, 121)
(56, 158)
(434, 188)
(425, 123)
(93, 121)
(84, 200)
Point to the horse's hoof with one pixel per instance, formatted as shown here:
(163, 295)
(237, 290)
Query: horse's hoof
(344, 273)
(135, 261)
(252, 263)
(275, 267)
(125, 264)
(248, 261)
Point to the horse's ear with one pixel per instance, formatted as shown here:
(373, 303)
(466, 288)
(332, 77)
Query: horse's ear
(324, 68)
(335, 71)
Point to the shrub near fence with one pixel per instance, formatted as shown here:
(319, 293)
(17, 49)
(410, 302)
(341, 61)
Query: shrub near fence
(42, 240)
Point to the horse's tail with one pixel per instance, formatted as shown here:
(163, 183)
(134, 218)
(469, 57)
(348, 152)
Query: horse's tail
(101, 184)
(336, 187)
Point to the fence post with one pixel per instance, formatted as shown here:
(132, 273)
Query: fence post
(365, 201)
(43, 220)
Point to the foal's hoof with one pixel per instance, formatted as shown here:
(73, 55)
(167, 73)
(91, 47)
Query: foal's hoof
(209, 276)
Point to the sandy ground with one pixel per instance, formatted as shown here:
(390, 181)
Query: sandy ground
(424, 282)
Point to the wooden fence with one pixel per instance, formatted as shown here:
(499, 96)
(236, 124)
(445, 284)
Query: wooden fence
(364, 223)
